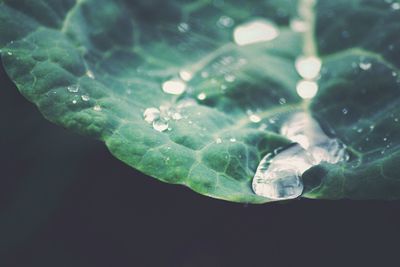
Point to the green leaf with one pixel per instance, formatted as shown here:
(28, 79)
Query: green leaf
(97, 66)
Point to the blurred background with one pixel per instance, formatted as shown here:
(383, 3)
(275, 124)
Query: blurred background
(65, 201)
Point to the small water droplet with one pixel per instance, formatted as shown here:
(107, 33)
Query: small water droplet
(151, 114)
(204, 74)
(183, 27)
(160, 125)
(201, 96)
(385, 139)
(174, 87)
(225, 22)
(176, 116)
(85, 98)
(365, 65)
(73, 88)
(232, 140)
(90, 74)
(97, 108)
(255, 31)
(230, 78)
(218, 140)
(282, 101)
(74, 101)
(345, 111)
(254, 118)
(186, 75)
(9, 53)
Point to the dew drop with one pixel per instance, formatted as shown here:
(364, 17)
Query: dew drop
(151, 114)
(345, 111)
(395, 6)
(308, 67)
(74, 102)
(201, 96)
(232, 140)
(174, 87)
(307, 89)
(278, 175)
(85, 98)
(255, 31)
(282, 101)
(186, 75)
(183, 27)
(90, 74)
(365, 65)
(160, 125)
(73, 88)
(254, 118)
(230, 78)
(9, 53)
(225, 22)
(97, 108)
(298, 25)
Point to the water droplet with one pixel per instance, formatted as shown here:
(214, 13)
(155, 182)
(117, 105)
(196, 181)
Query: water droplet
(255, 31)
(230, 78)
(97, 108)
(174, 87)
(225, 22)
(298, 25)
(307, 89)
(345, 111)
(396, 119)
(151, 114)
(74, 101)
(176, 116)
(205, 74)
(308, 67)
(73, 88)
(218, 140)
(395, 6)
(278, 176)
(9, 53)
(365, 65)
(282, 101)
(201, 96)
(85, 98)
(232, 140)
(160, 125)
(254, 118)
(385, 139)
(90, 74)
(186, 75)
(183, 27)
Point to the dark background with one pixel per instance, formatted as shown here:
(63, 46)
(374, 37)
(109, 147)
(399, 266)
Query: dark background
(65, 201)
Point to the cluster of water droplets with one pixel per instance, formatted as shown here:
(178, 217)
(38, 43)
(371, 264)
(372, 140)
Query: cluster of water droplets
(278, 175)
(160, 117)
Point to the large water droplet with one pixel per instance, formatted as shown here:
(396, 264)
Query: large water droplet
(308, 67)
(278, 176)
(307, 89)
(174, 87)
(255, 31)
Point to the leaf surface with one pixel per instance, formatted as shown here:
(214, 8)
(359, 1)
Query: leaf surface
(96, 67)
